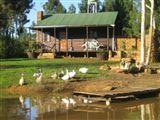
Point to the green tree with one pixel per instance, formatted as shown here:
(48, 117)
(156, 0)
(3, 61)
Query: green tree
(128, 19)
(134, 21)
(12, 20)
(108, 5)
(54, 6)
(13, 14)
(157, 19)
(72, 9)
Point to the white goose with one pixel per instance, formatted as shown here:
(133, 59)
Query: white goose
(72, 74)
(66, 76)
(38, 76)
(22, 81)
(83, 70)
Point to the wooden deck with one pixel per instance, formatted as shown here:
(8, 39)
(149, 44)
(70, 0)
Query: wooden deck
(121, 94)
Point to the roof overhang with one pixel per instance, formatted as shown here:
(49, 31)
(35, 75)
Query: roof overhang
(63, 26)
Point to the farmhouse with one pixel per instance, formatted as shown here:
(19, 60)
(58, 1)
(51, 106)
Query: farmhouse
(66, 34)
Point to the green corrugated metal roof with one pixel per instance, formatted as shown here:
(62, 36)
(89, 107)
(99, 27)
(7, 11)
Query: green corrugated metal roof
(77, 20)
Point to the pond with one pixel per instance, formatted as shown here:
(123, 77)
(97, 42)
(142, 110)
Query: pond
(57, 108)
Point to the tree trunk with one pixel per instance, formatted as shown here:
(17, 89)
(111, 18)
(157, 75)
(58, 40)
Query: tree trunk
(148, 59)
(142, 54)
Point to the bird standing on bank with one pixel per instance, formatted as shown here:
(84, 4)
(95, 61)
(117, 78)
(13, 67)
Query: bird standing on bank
(72, 74)
(38, 76)
(66, 76)
(22, 81)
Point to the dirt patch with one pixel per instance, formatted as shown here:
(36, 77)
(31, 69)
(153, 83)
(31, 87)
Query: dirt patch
(118, 81)
(36, 89)
(18, 89)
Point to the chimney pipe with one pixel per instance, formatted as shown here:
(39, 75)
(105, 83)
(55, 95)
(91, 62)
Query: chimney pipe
(39, 16)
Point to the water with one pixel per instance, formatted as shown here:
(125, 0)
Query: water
(52, 108)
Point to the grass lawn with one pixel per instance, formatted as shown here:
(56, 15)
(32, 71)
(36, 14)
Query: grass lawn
(11, 69)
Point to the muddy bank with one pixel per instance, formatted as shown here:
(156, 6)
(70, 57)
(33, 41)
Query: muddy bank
(114, 81)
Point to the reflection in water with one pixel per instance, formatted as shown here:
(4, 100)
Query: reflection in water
(54, 108)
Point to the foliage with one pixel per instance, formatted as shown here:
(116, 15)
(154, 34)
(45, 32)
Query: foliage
(54, 6)
(102, 51)
(72, 9)
(14, 47)
(108, 5)
(13, 16)
(11, 47)
(134, 22)
(157, 18)
(2, 47)
(83, 6)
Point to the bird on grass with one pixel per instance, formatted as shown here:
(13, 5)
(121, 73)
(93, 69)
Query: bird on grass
(72, 74)
(38, 76)
(22, 81)
(66, 76)
(83, 70)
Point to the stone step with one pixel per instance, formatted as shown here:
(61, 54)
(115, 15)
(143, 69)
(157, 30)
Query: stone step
(46, 56)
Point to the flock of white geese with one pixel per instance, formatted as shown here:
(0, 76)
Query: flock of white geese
(65, 76)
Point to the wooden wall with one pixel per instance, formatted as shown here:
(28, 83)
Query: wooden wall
(76, 37)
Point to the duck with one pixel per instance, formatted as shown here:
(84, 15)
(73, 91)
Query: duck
(54, 76)
(37, 74)
(66, 76)
(122, 64)
(39, 78)
(83, 70)
(127, 66)
(72, 74)
(22, 81)
(108, 101)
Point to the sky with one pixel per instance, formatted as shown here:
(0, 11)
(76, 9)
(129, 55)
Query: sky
(39, 7)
